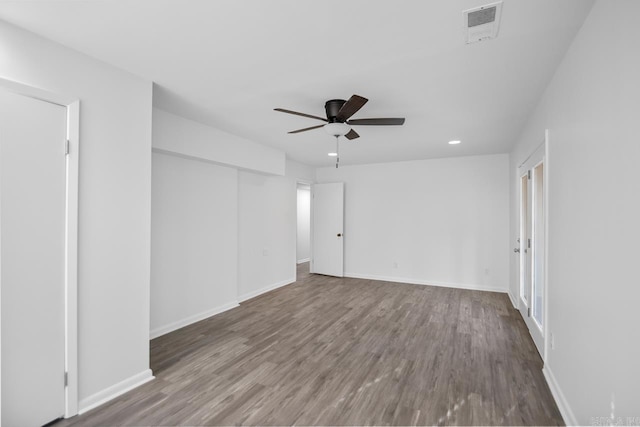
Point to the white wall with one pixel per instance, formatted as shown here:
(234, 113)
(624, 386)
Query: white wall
(592, 107)
(114, 203)
(193, 241)
(177, 135)
(220, 234)
(267, 229)
(442, 221)
(303, 245)
(266, 238)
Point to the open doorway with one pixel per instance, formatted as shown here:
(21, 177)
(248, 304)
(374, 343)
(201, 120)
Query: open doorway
(303, 239)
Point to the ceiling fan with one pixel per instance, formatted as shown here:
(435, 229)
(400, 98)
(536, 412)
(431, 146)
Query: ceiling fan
(338, 112)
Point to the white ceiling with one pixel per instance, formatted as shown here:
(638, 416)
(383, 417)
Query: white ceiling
(228, 63)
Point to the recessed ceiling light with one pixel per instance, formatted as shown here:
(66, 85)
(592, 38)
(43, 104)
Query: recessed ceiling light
(454, 142)
(332, 154)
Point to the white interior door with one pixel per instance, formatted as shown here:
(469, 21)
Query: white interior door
(328, 223)
(33, 191)
(532, 247)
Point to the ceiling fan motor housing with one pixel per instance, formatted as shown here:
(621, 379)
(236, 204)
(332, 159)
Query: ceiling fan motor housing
(332, 107)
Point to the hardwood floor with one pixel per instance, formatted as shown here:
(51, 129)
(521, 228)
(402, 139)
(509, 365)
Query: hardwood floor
(329, 351)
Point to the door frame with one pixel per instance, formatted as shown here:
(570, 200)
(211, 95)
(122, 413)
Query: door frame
(527, 164)
(72, 105)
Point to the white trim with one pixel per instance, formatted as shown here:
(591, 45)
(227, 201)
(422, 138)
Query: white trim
(253, 294)
(565, 410)
(312, 198)
(545, 312)
(162, 330)
(472, 287)
(302, 261)
(37, 93)
(0, 294)
(513, 300)
(71, 259)
(72, 105)
(115, 390)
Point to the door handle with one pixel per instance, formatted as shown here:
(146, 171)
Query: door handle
(517, 250)
(339, 234)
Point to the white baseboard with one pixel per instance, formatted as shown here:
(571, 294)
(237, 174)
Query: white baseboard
(513, 300)
(426, 282)
(162, 330)
(253, 294)
(114, 391)
(300, 261)
(565, 410)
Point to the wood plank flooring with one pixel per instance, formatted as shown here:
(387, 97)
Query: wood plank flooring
(329, 351)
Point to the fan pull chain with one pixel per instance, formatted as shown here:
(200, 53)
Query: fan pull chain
(337, 151)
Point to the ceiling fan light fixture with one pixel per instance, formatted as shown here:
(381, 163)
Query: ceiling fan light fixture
(337, 129)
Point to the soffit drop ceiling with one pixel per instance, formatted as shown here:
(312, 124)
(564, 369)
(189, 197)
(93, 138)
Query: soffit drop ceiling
(228, 63)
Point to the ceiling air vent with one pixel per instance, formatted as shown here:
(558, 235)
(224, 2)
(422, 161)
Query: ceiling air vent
(481, 23)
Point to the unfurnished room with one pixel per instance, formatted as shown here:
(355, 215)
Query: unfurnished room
(330, 213)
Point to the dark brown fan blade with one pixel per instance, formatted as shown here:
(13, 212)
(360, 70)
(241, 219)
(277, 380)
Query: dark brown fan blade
(352, 134)
(351, 107)
(306, 129)
(282, 110)
(377, 122)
